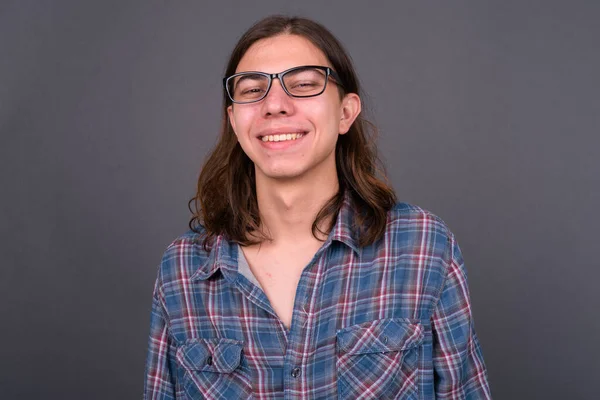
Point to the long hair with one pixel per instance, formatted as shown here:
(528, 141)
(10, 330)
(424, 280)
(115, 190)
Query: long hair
(226, 202)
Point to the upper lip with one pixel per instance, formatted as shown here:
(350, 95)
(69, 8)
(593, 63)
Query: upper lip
(279, 131)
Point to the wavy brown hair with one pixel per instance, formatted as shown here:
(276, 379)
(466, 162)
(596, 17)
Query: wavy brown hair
(226, 203)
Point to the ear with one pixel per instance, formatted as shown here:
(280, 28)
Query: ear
(231, 119)
(350, 108)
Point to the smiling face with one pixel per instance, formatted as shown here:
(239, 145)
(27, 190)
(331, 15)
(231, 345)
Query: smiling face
(290, 137)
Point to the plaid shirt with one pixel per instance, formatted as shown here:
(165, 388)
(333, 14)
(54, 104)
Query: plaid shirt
(391, 320)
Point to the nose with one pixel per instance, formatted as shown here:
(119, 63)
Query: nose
(277, 100)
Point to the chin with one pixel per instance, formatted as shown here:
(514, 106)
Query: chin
(282, 173)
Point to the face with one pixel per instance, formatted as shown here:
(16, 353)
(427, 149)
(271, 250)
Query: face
(290, 137)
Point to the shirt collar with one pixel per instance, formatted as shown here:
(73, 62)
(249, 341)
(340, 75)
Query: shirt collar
(222, 256)
(224, 253)
(343, 229)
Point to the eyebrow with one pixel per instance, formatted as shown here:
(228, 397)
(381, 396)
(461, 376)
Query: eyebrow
(248, 76)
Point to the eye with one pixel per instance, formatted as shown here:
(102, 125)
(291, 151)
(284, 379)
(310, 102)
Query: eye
(249, 86)
(305, 84)
(305, 81)
(252, 90)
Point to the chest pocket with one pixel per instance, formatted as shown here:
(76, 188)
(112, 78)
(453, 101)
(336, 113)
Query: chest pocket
(379, 359)
(214, 369)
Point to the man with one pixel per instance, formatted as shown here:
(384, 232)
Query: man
(302, 278)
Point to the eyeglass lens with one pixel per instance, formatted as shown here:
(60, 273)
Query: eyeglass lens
(302, 82)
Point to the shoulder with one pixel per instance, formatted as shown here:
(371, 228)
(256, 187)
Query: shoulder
(183, 256)
(415, 230)
(185, 242)
(409, 216)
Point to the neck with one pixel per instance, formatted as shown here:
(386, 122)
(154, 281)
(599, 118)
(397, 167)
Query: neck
(288, 208)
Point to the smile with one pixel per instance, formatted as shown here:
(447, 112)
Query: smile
(281, 137)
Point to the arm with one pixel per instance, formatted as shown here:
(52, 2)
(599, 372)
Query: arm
(159, 383)
(459, 369)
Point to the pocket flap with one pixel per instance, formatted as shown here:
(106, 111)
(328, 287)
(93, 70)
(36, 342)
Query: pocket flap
(380, 336)
(212, 355)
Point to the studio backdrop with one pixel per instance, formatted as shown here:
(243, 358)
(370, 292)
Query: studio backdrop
(488, 116)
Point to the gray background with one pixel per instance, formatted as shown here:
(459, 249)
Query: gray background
(489, 115)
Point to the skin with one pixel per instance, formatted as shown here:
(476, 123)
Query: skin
(293, 179)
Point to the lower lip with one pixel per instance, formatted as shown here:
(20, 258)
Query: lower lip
(284, 144)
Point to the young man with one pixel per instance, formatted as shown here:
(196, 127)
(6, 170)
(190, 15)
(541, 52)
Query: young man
(302, 278)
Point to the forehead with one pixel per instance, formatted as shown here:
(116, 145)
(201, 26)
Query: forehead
(278, 53)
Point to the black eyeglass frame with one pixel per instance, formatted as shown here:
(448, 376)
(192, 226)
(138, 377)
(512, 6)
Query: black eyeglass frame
(328, 73)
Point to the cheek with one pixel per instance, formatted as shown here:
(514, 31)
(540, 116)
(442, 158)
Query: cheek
(329, 120)
(243, 121)
(325, 116)
(332, 110)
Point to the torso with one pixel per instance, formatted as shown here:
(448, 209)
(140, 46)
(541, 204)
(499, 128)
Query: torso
(278, 270)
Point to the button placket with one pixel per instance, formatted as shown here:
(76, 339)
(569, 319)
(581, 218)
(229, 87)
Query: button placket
(301, 321)
(296, 372)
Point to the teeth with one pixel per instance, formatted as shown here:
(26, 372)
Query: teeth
(282, 137)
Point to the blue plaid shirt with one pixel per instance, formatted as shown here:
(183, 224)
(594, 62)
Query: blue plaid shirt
(391, 320)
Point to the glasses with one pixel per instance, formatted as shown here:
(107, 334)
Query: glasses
(305, 81)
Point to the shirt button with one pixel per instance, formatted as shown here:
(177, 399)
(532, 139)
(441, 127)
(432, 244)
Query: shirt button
(296, 372)
(209, 360)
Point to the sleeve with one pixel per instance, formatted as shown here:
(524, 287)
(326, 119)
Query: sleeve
(160, 379)
(459, 369)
